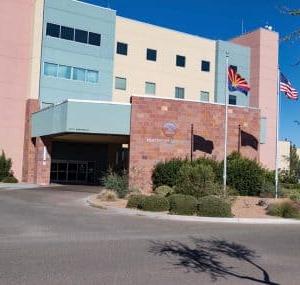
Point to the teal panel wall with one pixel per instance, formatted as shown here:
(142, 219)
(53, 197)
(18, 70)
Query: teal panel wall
(238, 56)
(263, 130)
(86, 17)
(82, 117)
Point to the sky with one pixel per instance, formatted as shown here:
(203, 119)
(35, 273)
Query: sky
(219, 19)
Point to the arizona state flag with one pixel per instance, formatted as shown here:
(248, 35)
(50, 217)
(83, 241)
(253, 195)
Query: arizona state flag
(236, 82)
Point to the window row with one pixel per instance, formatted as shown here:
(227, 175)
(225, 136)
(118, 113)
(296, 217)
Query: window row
(151, 55)
(150, 89)
(72, 34)
(70, 72)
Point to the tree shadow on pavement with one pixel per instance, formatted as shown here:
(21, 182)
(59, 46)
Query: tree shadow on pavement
(212, 257)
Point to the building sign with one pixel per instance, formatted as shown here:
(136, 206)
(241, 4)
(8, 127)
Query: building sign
(169, 131)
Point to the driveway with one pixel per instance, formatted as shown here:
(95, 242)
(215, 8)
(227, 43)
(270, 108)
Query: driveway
(49, 236)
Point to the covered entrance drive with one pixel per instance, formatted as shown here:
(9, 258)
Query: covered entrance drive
(85, 159)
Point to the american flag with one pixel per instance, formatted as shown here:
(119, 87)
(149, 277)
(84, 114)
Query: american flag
(287, 88)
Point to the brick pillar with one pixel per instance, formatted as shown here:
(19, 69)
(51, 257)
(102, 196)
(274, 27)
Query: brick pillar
(29, 153)
(36, 159)
(43, 161)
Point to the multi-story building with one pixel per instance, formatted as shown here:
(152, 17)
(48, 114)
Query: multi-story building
(83, 89)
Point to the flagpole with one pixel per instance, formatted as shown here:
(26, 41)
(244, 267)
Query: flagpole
(277, 134)
(226, 126)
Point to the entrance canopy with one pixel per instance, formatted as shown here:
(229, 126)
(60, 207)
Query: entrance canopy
(84, 117)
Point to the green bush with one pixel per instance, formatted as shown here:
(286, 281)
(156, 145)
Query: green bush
(295, 197)
(165, 173)
(116, 182)
(245, 175)
(5, 167)
(285, 176)
(164, 191)
(197, 181)
(290, 186)
(183, 204)
(155, 203)
(214, 164)
(212, 206)
(10, 179)
(267, 190)
(284, 210)
(135, 201)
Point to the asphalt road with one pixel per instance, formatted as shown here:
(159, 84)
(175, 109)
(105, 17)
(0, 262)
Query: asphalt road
(52, 237)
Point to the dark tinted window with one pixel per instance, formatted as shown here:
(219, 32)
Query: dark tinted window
(151, 54)
(67, 33)
(94, 39)
(81, 36)
(122, 48)
(234, 67)
(232, 99)
(53, 30)
(180, 60)
(205, 65)
(179, 92)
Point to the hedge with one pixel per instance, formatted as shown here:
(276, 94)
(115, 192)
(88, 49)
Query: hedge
(135, 201)
(155, 203)
(212, 206)
(183, 204)
(164, 191)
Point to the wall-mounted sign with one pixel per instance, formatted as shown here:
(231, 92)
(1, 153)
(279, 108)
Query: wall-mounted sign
(169, 130)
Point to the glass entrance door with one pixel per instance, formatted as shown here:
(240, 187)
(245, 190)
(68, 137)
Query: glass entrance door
(73, 172)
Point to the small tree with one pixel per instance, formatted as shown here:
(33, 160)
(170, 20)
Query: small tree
(294, 162)
(5, 166)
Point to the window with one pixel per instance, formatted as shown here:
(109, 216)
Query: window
(120, 83)
(50, 69)
(180, 60)
(151, 54)
(94, 39)
(122, 48)
(67, 33)
(234, 67)
(92, 76)
(81, 36)
(204, 96)
(232, 99)
(150, 88)
(53, 30)
(205, 65)
(79, 74)
(179, 92)
(64, 71)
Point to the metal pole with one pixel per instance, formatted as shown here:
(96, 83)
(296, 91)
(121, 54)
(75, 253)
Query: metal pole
(192, 141)
(226, 125)
(277, 134)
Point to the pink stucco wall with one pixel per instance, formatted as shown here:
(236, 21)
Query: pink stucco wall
(15, 52)
(263, 80)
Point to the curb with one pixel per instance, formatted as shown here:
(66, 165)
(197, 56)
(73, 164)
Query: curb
(165, 216)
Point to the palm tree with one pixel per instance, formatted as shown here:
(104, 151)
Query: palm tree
(296, 34)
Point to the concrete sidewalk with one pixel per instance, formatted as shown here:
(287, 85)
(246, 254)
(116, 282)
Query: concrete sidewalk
(92, 201)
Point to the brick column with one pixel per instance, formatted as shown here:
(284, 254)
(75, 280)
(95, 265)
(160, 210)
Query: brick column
(36, 159)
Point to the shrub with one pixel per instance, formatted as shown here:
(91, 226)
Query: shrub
(155, 203)
(197, 181)
(295, 197)
(183, 204)
(5, 167)
(245, 175)
(116, 182)
(135, 201)
(165, 173)
(211, 206)
(285, 176)
(267, 190)
(107, 195)
(214, 164)
(164, 191)
(10, 179)
(290, 186)
(284, 210)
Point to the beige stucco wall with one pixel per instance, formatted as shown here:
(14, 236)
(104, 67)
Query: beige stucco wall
(284, 154)
(164, 72)
(36, 49)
